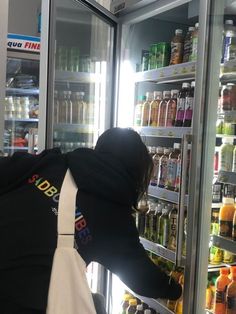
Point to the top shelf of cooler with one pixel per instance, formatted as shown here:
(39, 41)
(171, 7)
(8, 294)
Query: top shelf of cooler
(77, 77)
(228, 71)
(172, 73)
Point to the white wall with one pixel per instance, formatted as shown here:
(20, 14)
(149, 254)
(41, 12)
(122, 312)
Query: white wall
(23, 17)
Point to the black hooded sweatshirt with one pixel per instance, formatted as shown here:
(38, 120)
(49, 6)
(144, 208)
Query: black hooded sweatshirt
(105, 230)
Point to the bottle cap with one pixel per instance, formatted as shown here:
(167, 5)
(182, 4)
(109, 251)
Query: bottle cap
(157, 94)
(132, 302)
(193, 84)
(160, 150)
(166, 94)
(139, 307)
(224, 271)
(166, 151)
(185, 85)
(227, 140)
(126, 297)
(149, 95)
(196, 25)
(174, 91)
(191, 28)
(228, 200)
(177, 145)
(178, 31)
(229, 22)
(147, 311)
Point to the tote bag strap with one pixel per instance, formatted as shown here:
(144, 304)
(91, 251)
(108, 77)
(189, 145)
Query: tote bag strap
(66, 212)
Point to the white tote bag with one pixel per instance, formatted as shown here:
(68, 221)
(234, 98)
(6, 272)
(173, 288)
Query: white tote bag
(69, 292)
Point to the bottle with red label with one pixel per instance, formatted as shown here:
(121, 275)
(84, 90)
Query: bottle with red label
(179, 119)
(171, 108)
(188, 112)
(162, 108)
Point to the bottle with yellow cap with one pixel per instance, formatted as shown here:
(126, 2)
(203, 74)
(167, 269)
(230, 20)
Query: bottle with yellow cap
(132, 306)
(125, 303)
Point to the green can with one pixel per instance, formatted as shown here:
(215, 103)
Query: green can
(159, 55)
(152, 64)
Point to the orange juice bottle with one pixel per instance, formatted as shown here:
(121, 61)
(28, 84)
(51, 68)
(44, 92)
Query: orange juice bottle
(221, 285)
(231, 293)
(171, 304)
(226, 217)
(179, 304)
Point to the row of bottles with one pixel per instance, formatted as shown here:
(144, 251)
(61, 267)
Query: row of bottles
(71, 108)
(157, 221)
(132, 305)
(221, 292)
(225, 157)
(167, 108)
(180, 49)
(23, 107)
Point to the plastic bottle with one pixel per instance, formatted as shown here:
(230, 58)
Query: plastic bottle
(154, 109)
(138, 111)
(173, 216)
(156, 165)
(178, 174)
(132, 306)
(226, 154)
(226, 216)
(159, 208)
(188, 112)
(152, 224)
(147, 225)
(172, 167)
(163, 168)
(231, 293)
(221, 285)
(171, 108)
(217, 192)
(175, 274)
(141, 215)
(227, 27)
(139, 309)
(188, 44)
(162, 108)
(146, 109)
(179, 119)
(229, 43)
(164, 227)
(177, 45)
(179, 305)
(125, 303)
(193, 56)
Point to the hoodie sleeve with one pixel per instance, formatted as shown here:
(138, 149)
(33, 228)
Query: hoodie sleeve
(117, 247)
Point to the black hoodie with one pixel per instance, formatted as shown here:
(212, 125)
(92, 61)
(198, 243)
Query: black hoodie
(105, 229)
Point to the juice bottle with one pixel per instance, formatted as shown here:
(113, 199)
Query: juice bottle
(229, 42)
(215, 213)
(221, 285)
(177, 45)
(188, 112)
(154, 108)
(228, 26)
(172, 167)
(147, 225)
(227, 91)
(173, 216)
(171, 108)
(226, 154)
(163, 168)
(156, 165)
(162, 108)
(141, 215)
(152, 224)
(179, 119)
(146, 109)
(228, 257)
(188, 44)
(217, 192)
(231, 293)
(179, 304)
(159, 208)
(175, 274)
(125, 303)
(164, 227)
(234, 227)
(226, 216)
(178, 174)
(138, 110)
(193, 56)
(132, 306)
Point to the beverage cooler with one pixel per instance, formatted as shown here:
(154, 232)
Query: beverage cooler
(21, 104)
(167, 69)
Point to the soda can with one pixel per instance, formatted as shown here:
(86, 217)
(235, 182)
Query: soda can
(152, 64)
(62, 58)
(73, 59)
(162, 54)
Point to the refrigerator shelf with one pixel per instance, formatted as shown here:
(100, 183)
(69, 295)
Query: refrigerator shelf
(17, 148)
(77, 77)
(159, 250)
(223, 135)
(81, 128)
(171, 132)
(228, 71)
(224, 243)
(22, 91)
(212, 268)
(227, 177)
(166, 195)
(23, 120)
(172, 73)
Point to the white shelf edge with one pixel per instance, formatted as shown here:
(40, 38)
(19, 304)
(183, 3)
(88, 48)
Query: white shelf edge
(227, 177)
(224, 243)
(170, 132)
(77, 77)
(22, 91)
(23, 120)
(166, 195)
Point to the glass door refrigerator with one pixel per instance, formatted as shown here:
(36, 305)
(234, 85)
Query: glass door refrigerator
(21, 105)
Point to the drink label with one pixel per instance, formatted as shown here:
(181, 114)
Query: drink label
(178, 175)
(193, 56)
(231, 303)
(171, 113)
(220, 297)
(165, 233)
(226, 228)
(189, 108)
(180, 109)
(176, 52)
(171, 173)
(163, 174)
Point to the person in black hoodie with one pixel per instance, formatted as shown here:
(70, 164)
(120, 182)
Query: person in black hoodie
(111, 179)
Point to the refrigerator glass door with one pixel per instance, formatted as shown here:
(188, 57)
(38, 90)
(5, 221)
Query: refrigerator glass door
(21, 102)
(82, 81)
(216, 251)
